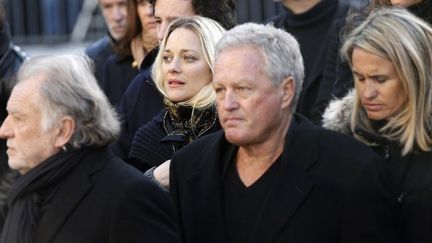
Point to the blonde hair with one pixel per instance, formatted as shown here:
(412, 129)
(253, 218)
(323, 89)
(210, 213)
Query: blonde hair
(209, 33)
(405, 40)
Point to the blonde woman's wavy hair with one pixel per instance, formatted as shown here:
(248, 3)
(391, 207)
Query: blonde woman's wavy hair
(405, 40)
(209, 33)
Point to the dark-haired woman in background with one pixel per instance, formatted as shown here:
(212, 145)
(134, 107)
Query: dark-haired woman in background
(140, 39)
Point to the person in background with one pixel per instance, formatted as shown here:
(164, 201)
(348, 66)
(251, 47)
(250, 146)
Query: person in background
(183, 71)
(11, 58)
(390, 55)
(316, 25)
(140, 39)
(142, 101)
(71, 188)
(270, 175)
(344, 79)
(115, 15)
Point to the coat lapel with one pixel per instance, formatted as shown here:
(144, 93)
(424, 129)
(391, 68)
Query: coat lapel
(70, 193)
(292, 185)
(210, 178)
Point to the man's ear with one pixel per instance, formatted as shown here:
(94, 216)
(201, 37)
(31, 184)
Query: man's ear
(288, 87)
(65, 132)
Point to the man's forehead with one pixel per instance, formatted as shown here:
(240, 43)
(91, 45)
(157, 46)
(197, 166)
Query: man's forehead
(23, 94)
(174, 8)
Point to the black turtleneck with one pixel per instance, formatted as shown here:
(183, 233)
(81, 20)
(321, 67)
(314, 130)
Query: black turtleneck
(310, 29)
(315, 30)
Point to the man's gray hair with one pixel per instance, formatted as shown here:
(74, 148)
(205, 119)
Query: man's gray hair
(69, 88)
(280, 49)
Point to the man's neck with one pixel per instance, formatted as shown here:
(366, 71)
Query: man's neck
(254, 160)
(300, 6)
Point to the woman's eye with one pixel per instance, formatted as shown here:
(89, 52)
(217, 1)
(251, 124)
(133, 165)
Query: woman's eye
(380, 79)
(359, 79)
(167, 59)
(190, 58)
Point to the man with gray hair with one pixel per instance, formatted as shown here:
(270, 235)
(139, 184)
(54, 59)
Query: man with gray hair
(71, 188)
(270, 175)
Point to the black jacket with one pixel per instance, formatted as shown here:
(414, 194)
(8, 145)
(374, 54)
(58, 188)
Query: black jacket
(140, 103)
(325, 178)
(409, 176)
(410, 179)
(117, 74)
(105, 200)
(99, 52)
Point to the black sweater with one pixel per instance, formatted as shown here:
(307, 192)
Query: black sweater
(315, 31)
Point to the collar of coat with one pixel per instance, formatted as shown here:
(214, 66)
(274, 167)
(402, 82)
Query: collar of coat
(337, 115)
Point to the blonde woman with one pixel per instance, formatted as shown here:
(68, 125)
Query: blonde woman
(390, 55)
(183, 72)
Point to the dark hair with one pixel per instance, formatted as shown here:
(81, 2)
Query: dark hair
(134, 28)
(222, 11)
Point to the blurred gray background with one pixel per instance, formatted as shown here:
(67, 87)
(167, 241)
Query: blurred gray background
(50, 26)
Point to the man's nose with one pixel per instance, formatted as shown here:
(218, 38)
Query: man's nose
(5, 131)
(118, 14)
(161, 28)
(229, 101)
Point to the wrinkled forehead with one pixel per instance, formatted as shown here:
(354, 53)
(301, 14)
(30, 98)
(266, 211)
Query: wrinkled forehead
(25, 95)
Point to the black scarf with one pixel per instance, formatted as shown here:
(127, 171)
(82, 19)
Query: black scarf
(29, 192)
(184, 124)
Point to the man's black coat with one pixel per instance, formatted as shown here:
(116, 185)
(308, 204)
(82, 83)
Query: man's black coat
(309, 201)
(104, 200)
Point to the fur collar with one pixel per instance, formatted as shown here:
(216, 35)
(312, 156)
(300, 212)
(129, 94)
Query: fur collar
(337, 115)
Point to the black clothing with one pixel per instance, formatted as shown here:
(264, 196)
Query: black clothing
(242, 205)
(156, 141)
(308, 200)
(28, 195)
(117, 74)
(99, 52)
(316, 30)
(99, 199)
(410, 179)
(11, 58)
(140, 103)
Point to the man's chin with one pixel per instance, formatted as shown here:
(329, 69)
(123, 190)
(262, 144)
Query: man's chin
(235, 138)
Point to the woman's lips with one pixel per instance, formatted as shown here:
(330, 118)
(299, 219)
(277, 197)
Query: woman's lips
(372, 107)
(175, 83)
